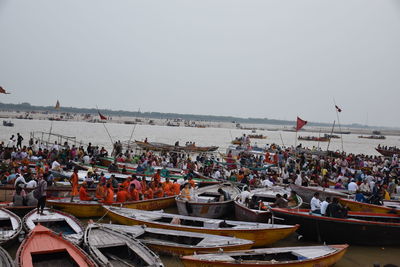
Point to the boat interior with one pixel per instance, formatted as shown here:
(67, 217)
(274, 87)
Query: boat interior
(279, 256)
(59, 258)
(207, 197)
(57, 225)
(198, 223)
(122, 255)
(178, 239)
(6, 224)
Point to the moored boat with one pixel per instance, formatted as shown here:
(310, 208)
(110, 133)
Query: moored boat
(206, 202)
(314, 138)
(308, 256)
(11, 226)
(89, 209)
(111, 248)
(260, 233)
(43, 247)
(388, 152)
(307, 192)
(173, 242)
(338, 230)
(57, 221)
(366, 207)
(5, 259)
(251, 212)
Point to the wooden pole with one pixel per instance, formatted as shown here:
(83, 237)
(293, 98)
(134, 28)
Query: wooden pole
(340, 128)
(329, 141)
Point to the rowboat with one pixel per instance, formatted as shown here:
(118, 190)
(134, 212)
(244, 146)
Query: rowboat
(261, 234)
(43, 247)
(89, 209)
(57, 221)
(21, 211)
(338, 230)
(206, 203)
(388, 152)
(365, 207)
(251, 213)
(5, 259)
(173, 242)
(380, 137)
(165, 147)
(257, 136)
(314, 138)
(309, 256)
(307, 192)
(111, 248)
(11, 226)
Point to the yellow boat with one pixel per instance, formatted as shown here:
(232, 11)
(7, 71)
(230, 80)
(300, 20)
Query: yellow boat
(310, 256)
(261, 234)
(365, 207)
(89, 209)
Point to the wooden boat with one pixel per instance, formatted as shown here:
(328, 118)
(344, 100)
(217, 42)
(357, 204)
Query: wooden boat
(21, 211)
(310, 256)
(206, 204)
(236, 142)
(57, 221)
(379, 137)
(5, 259)
(89, 209)
(173, 242)
(388, 152)
(257, 136)
(337, 230)
(307, 192)
(43, 247)
(167, 148)
(8, 124)
(260, 233)
(314, 138)
(111, 248)
(365, 207)
(10, 227)
(244, 212)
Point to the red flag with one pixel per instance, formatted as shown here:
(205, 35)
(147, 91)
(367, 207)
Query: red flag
(102, 117)
(300, 123)
(3, 91)
(338, 109)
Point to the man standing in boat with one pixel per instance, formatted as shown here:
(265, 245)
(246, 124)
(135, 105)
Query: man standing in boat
(74, 184)
(41, 194)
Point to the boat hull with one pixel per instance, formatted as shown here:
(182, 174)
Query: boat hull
(211, 210)
(307, 193)
(178, 251)
(243, 213)
(365, 207)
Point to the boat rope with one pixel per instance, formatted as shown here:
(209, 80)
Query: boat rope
(102, 217)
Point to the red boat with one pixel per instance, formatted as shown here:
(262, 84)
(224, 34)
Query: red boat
(45, 248)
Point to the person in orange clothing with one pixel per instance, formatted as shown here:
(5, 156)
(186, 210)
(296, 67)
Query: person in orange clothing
(100, 191)
(83, 194)
(133, 193)
(176, 188)
(159, 192)
(191, 182)
(127, 182)
(149, 193)
(74, 183)
(185, 194)
(167, 186)
(156, 178)
(122, 195)
(143, 183)
(109, 195)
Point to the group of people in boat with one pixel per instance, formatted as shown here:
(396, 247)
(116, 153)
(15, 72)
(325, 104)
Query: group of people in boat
(330, 207)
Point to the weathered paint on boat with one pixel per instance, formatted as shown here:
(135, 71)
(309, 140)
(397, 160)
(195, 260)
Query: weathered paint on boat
(365, 207)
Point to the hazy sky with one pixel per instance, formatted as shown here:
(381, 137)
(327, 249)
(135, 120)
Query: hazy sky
(268, 58)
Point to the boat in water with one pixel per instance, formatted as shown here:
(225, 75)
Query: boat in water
(283, 257)
(307, 192)
(366, 207)
(112, 248)
(8, 124)
(262, 234)
(11, 226)
(43, 247)
(173, 242)
(5, 259)
(207, 202)
(57, 221)
(314, 138)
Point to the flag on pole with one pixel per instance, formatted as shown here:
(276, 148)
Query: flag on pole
(338, 109)
(57, 105)
(102, 117)
(3, 91)
(300, 124)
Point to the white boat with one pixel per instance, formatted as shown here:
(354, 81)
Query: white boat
(11, 226)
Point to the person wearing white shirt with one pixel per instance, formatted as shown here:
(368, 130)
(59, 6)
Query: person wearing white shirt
(86, 159)
(298, 180)
(19, 179)
(267, 183)
(315, 203)
(364, 187)
(245, 195)
(55, 165)
(31, 184)
(352, 186)
(324, 205)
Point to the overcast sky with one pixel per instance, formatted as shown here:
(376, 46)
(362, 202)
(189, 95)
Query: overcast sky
(275, 59)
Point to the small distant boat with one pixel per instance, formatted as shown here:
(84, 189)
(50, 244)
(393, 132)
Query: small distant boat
(307, 192)
(257, 136)
(388, 152)
(371, 230)
(11, 226)
(181, 242)
(378, 137)
(334, 136)
(57, 221)
(5, 259)
(43, 247)
(283, 257)
(268, 196)
(207, 203)
(365, 207)
(342, 132)
(262, 234)
(112, 248)
(8, 124)
(313, 138)
(90, 209)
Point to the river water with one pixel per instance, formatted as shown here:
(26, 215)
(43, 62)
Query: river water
(357, 256)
